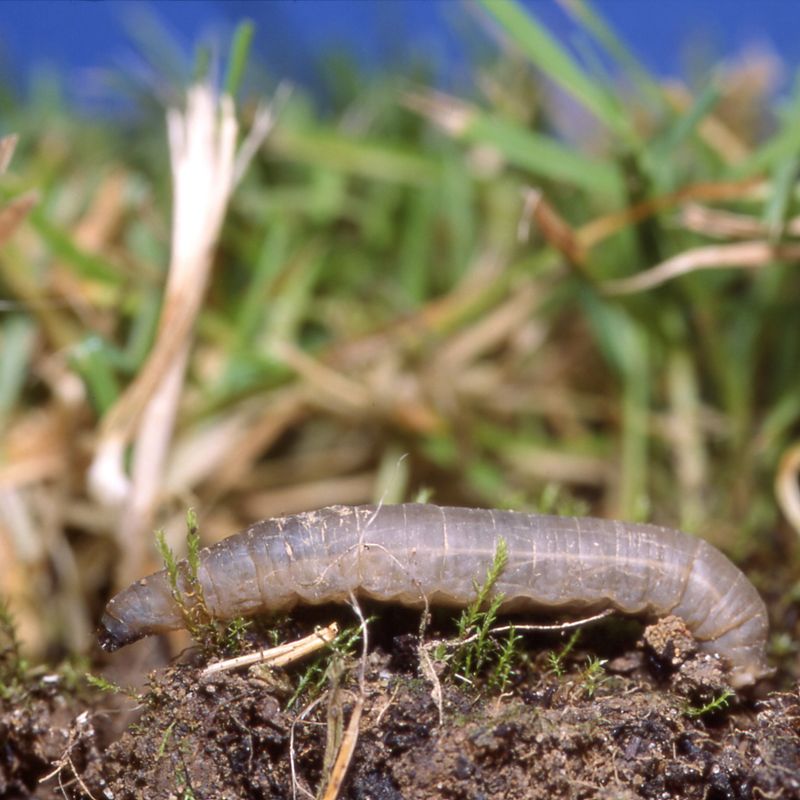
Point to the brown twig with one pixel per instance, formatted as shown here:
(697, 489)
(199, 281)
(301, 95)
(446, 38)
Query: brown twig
(603, 227)
(554, 228)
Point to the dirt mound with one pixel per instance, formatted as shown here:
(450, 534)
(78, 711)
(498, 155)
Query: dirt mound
(569, 735)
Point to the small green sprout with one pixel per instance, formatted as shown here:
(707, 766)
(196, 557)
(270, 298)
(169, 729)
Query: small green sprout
(235, 636)
(593, 675)
(185, 790)
(477, 646)
(556, 660)
(188, 591)
(109, 687)
(162, 747)
(314, 676)
(509, 650)
(715, 704)
(192, 542)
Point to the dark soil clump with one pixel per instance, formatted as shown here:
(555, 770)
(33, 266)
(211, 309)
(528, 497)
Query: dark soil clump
(230, 736)
(653, 723)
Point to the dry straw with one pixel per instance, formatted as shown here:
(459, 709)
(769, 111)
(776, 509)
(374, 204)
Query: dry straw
(206, 168)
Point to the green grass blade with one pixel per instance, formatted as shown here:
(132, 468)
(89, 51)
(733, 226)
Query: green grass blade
(633, 494)
(417, 245)
(784, 144)
(542, 155)
(17, 341)
(142, 331)
(780, 203)
(459, 196)
(370, 159)
(549, 56)
(240, 50)
(86, 265)
(633, 68)
(623, 341)
(685, 125)
(254, 306)
(290, 307)
(661, 154)
(201, 65)
(92, 361)
(155, 42)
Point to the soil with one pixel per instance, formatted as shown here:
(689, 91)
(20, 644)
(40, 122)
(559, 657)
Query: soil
(557, 730)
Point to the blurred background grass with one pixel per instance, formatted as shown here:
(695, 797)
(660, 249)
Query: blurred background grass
(416, 292)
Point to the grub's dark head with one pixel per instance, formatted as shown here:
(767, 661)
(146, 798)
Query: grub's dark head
(144, 608)
(114, 633)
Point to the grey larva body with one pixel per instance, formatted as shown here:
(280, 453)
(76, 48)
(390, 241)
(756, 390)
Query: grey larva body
(411, 553)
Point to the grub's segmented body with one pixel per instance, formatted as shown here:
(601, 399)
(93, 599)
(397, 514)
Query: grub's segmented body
(406, 553)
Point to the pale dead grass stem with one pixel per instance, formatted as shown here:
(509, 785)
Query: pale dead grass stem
(14, 212)
(205, 170)
(452, 115)
(280, 656)
(8, 144)
(494, 328)
(787, 488)
(728, 224)
(328, 386)
(742, 255)
(714, 131)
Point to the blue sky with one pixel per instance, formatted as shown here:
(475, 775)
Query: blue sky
(79, 37)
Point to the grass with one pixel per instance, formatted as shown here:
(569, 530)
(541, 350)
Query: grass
(379, 241)
(556, 660)
(320, 670)
(715, 704)
(102, 684)
(593, 676)
(475, 644)
(215, 637)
